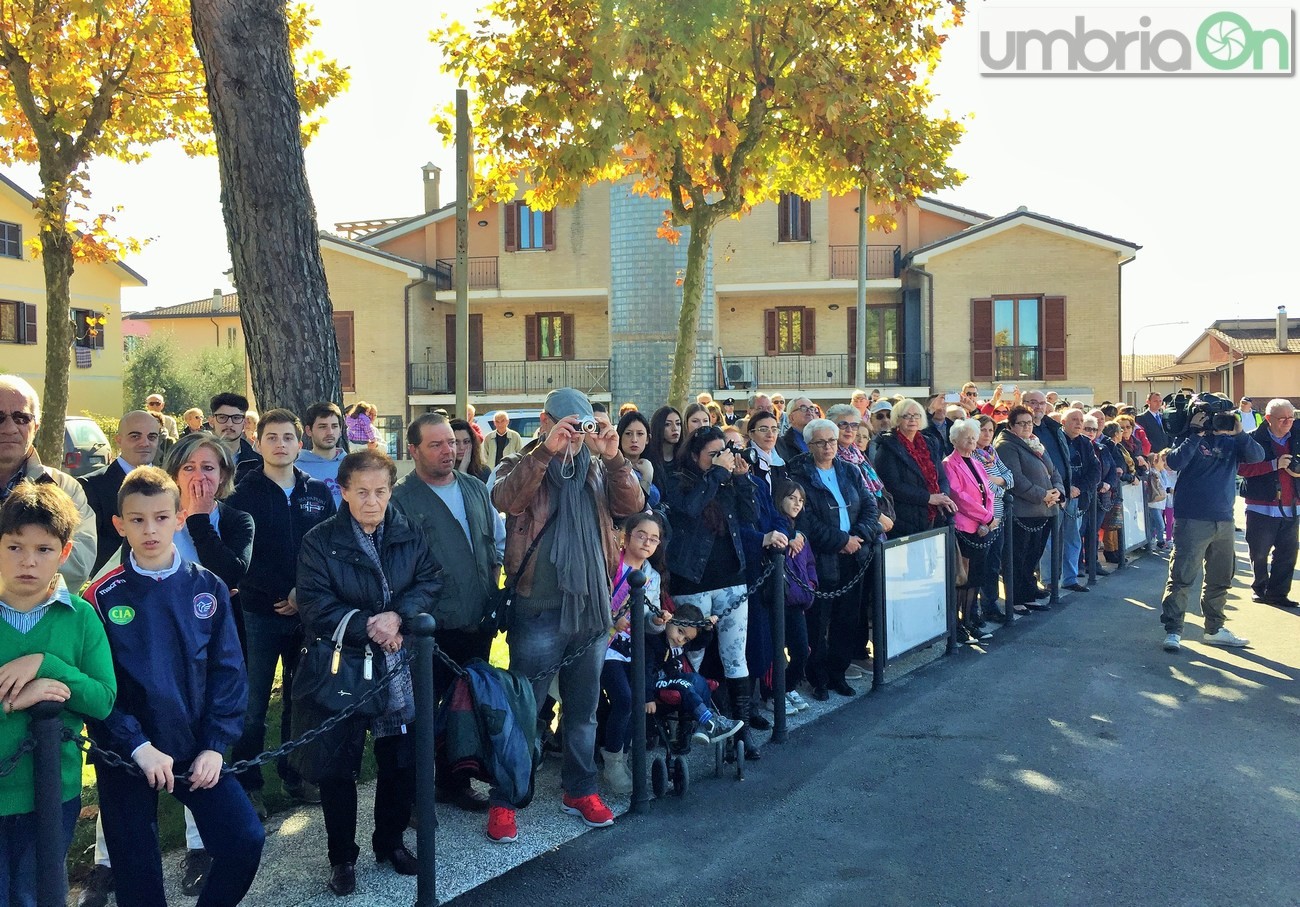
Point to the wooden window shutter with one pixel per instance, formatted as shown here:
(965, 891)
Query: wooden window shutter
(530, 338)
(347, 358)
(808, 332)
(981, 340)
(805, 220)
(27, 323)
(770, 346)
(548, 231)
(1053, 338)
(512, 226)
(783, 218)
(853, 338)
(567, 340)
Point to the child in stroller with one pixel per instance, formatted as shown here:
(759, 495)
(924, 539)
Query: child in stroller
(668, 671)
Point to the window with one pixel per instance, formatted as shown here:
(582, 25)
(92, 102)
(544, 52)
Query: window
(343, 331)
(789, 331)
(794, 218)
(88, 327)
(527, 229)
(549, 335)
(232, 335)
(17, 322)
(883, 357)
(11, 240)
(1018, 337)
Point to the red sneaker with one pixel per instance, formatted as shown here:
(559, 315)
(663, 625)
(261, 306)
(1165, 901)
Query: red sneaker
(501, 826)
(590, 808)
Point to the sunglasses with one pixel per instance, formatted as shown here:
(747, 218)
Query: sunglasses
(846, 425)
(19, 418)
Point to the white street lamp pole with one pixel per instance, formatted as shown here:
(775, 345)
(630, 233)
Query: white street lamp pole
(1132, 355)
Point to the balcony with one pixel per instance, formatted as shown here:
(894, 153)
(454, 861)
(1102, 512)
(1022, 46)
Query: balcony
(1017, 362)
(482, 273)
(787, 373)
(590, 376)
(883, 262)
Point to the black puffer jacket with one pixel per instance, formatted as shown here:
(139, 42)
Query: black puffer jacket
(904, 481)
(820, 519)
(335, 576)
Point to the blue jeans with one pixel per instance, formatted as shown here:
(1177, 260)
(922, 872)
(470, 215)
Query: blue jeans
(272, 639)
(231, 832)
(18, 853)
(616, 681)
(694, 690)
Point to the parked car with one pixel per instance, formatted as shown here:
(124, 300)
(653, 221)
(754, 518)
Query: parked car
(85, 448)
(524, 421)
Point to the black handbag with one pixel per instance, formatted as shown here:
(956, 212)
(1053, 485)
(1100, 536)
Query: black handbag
(334, 676)
(501, 602)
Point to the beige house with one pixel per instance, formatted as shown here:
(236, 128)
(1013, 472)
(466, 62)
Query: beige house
(1141, 377)
(1242, 357)
(95, 367)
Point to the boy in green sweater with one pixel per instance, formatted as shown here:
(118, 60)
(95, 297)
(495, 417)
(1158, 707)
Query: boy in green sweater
(52, 649)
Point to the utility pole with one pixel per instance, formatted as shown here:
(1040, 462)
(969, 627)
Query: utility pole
(860, 366)
(462, 252)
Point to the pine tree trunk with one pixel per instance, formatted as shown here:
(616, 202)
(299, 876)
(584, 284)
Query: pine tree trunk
(56, 258)
(284, 303)
(688, 321)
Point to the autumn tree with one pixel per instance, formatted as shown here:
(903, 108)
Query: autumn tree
(714, 106)
(104, 78)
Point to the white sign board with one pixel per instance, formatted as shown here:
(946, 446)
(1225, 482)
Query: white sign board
(1135, 517)
(916, 593)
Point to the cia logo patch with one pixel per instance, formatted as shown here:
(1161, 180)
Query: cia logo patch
(121, 615)
(205, 605)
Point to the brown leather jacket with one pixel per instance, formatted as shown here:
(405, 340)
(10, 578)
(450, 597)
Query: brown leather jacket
(521, 492)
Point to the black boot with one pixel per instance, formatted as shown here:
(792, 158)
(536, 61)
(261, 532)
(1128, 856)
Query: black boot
(738, 691)
(756, 719)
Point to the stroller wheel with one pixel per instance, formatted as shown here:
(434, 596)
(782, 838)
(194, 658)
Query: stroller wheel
(681, 776)
(719, 751)
(659, 776)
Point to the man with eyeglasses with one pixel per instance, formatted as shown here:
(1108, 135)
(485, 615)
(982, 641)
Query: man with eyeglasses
(468, 536)
(792, 443)
(1272, 492)
(20, 417)
(154, 403)
(1085, 475)
(226, 416)
(1052, 436)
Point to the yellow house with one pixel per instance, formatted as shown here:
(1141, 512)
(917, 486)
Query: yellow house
(371, 292)
(1242, 357)
(95, 368)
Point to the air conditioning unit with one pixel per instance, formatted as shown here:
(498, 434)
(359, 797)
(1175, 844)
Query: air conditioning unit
(739, 372)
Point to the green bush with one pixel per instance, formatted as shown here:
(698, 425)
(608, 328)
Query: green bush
(157, 366)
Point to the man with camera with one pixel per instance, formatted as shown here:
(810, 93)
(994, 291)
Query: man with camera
(1271, 489)
(1207, 458)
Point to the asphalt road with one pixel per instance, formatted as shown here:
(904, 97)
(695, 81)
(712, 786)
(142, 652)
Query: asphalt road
(1072, 761)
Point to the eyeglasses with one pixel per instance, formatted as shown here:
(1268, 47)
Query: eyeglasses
(847, 425)
(223, 418)
(19, 418)
(763, 430)
(824, 442)
(909, 416)
(971, 394)
(1021, 423)
(806, 409)
(645, 537)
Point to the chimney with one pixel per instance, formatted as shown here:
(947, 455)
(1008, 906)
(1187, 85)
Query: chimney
(1282, 326)
(432, 178)
(217, 298)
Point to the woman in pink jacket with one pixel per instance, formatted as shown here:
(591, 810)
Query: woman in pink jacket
(977, 529)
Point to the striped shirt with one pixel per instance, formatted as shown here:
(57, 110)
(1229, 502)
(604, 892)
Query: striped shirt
(24, 621)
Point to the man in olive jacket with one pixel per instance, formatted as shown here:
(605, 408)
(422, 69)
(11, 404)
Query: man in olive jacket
(467, 536)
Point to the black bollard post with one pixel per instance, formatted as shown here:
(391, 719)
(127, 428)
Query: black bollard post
(1058, 553)
(637, 615)
(46, 728)
(779, 731)
(1009, 557)
(1090, 538)
(878, 639)
(950, 593)
(426, 810)
(1123, 543)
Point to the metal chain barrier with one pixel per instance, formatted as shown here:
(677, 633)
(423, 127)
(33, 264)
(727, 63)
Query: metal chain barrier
(113, 760)
(844, 589)
(1032, 530)
(974, 544)
(8, 765)
(709, 622)
(579, 652)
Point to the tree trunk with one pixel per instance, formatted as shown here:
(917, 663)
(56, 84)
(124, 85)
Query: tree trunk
(688, 321)
(56, 258)
(284, 303)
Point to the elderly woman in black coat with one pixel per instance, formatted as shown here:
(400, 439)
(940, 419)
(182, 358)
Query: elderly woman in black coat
(910, 465)
(368, 558)
(841, 521)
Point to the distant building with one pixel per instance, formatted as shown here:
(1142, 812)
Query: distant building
(1242, 357)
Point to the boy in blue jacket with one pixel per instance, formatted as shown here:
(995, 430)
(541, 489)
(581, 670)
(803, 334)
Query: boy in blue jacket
(181, 697)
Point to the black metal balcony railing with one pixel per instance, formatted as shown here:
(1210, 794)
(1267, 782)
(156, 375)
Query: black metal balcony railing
(1017, 362)
(788, 373)
(883, 262)
(588, 375)
(482, 273)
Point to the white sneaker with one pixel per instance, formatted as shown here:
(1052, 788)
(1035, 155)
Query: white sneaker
(794, 702)
(1225, 637)
(1173, 642)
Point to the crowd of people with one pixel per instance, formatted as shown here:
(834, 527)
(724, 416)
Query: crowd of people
(177, 593)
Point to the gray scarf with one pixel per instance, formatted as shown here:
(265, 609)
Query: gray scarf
(576, 550)
(401, 692)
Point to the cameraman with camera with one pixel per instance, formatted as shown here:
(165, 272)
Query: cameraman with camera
(1207, 457)
(1271, 489)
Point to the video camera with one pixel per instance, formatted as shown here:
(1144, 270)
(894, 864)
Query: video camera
(748, 454)
(1204, 413)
